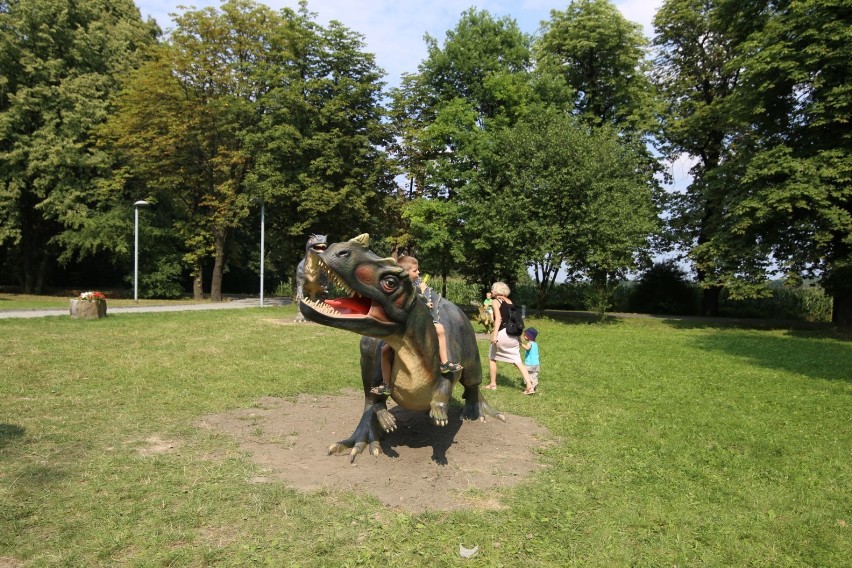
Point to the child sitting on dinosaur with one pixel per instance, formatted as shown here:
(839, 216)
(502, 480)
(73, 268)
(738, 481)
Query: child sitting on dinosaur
(432, 300)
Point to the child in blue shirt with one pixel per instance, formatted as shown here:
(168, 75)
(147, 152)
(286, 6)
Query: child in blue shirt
(531, 359)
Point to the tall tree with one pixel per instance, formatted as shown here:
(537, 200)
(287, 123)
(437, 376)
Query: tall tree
(322, 163)
(61, 61)
(562, 194)
(477, 82)
(257, 105)
(790, 206)
(602, 57)
(183, 121)
(694, 70)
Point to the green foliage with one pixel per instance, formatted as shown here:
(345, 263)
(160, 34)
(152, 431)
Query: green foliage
(284, 290)
(559, 193)
(245, 104)
(602, 58)
(166, 280)
(782, 301)
(62, 61)
(432, 224)
(792, 202)
(461, 292)
(758, 94)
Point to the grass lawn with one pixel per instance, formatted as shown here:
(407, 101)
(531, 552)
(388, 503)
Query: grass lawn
(679, 444)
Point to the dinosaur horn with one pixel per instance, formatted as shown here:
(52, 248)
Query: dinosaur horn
(362, 239)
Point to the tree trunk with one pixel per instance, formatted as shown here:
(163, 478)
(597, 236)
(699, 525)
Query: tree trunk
(841, 311)
(710, 301)
(218, 265)
(838, 284)
(198, 282)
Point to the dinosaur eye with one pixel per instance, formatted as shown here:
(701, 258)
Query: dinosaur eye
(344, 254)
(390, 283)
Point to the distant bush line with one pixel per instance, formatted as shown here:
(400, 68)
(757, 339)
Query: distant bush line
(644, 296)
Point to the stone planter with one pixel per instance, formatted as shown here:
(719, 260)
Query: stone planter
(82, 309)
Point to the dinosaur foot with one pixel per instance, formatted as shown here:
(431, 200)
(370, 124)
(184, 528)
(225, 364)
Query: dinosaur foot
(366, 435)
(477, 408)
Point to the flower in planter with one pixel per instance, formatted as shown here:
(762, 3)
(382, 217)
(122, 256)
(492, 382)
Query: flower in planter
(92, 296)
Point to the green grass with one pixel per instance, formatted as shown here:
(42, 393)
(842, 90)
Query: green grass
(679, 444)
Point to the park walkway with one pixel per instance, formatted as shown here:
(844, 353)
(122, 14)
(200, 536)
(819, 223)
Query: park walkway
(226, 305)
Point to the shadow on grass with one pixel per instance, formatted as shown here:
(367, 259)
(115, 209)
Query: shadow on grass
(807, 354)
(800, 327)
(416, 430)
(9, 432)
(577, 318)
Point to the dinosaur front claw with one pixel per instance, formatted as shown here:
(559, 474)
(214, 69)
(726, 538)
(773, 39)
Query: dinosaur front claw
(438, 413)
(386, 420)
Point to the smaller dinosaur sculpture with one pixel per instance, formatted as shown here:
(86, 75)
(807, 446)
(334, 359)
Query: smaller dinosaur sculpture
(384, 306)
(307, 272)
(484, 317)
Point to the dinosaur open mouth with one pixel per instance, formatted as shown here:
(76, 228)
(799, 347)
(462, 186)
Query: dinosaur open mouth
(357, 305)
(353, 306)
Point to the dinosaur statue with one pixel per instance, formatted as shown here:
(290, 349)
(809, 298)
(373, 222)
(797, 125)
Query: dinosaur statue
(307, 271)
(484, 317)
(384, 306)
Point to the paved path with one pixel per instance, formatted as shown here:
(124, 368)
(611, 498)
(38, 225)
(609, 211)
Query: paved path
(226, 305)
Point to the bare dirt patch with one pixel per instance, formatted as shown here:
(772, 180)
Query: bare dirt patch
(156, 445)
(424, 467)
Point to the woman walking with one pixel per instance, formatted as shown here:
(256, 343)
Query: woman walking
(504, 347)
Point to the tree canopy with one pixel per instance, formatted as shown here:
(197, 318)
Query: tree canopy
(502, 154)
(62, 63)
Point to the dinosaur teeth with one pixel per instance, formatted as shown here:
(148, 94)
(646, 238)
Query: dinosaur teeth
(321, 307)
(335, 278)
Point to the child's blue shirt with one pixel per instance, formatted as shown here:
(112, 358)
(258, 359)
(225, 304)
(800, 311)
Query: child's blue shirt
(531, 355)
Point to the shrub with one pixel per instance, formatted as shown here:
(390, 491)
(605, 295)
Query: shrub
(665, 289)
(807, 303)
(165, 281)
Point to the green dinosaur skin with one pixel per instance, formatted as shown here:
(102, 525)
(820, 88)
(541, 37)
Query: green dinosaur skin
(385, 307)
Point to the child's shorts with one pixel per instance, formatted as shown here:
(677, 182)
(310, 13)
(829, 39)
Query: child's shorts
(533, 370)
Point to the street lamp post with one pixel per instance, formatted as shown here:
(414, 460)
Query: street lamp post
(136, 207)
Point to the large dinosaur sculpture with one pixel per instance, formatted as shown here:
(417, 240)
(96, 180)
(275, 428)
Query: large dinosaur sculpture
(383, 306)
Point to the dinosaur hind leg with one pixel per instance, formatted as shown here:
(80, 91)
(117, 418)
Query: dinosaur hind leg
(476, 407)
(366, 433)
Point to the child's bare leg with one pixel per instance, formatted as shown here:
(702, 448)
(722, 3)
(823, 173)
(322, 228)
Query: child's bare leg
(442, 342)
(446, 366)
(529, 386)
